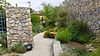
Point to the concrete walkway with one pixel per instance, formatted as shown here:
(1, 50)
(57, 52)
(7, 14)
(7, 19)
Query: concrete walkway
(42, 46)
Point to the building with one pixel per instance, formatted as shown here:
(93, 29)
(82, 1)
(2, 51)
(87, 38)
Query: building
(17, 25)
(40, 14)
(2, 21)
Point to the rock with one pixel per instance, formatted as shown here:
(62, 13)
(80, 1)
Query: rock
(57, 48)
(18, 25)
(90, 11)
(90, 47)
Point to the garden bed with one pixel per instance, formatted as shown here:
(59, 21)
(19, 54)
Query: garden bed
(76, 49)
(68, 48)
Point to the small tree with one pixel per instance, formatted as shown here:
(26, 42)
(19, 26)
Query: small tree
(56, 14)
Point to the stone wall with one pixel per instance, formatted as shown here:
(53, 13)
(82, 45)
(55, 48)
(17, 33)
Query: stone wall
(86, 10)
(19, 27)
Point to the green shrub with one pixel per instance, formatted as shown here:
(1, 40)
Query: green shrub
(81, 52)
(86, 53)
(96, 53)
(64, 54)
(47, 34)
(84, 39)
(64, 36)
(96, 44)
(19, 48)
(36, 28)
(80, 31)
(3, 39)
(3, 50)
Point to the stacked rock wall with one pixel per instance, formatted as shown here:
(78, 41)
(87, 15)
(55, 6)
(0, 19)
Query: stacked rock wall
(19, 27)
(88, 11)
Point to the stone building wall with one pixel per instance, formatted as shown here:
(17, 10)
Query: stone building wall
(86, 10)
(19, 27)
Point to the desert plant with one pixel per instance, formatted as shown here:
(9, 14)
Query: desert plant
(64, 36)
(19, 48)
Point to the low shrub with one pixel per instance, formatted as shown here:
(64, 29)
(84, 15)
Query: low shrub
(3, 50)
(3, 43)
(3, 39)
(48, 34)
(64, 36)
(84, 39)
(19, 48)
(86, 53)
(81, 52)
(96, 53)
(64, 54)
(36, 28)
(96, 44)
(80, 31)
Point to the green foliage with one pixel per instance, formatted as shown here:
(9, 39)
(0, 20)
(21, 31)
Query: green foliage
(19, 48)
(3, 42)
(81, 52)
(36, 28)
(96, 53)
(31, 10)
(2, 4)
(62, 17)
(3, 39)
(77, 31)
(64, 54)
(35, 18)
(84, 39)
(1, 7)
(64, 36)
(3, 50)
(49, 13)
(96, 44)
(80, 31)
(47, 34)
(57, 15)
(35, 23)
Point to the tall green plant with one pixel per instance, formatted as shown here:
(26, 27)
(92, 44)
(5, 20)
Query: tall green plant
(80, 31)
(35, 18)
(64, 36)
(3, 39)
(19, 48)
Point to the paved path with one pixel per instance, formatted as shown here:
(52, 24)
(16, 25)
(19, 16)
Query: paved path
(42, 46)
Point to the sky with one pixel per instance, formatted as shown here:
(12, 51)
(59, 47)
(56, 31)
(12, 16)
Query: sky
(35, 4)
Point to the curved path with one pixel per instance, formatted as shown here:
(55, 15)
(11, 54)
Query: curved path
(42, 46)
